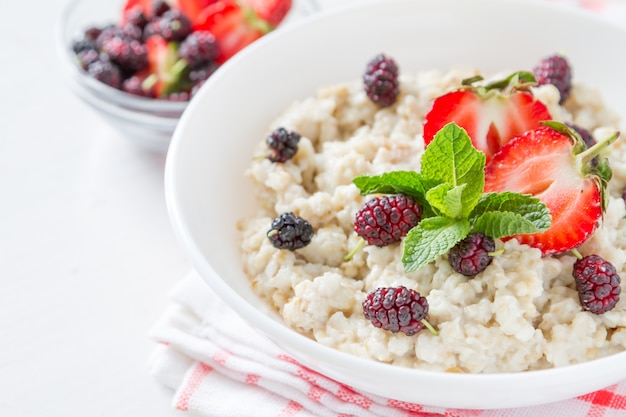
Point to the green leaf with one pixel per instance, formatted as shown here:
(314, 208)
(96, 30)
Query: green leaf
(505, 214)
(446, 199)
(410, 183)
(451, 158)
(431, 238)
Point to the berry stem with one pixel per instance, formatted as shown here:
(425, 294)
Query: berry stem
(429, 327)
(585, 157)
(577, 254)
(354, 250)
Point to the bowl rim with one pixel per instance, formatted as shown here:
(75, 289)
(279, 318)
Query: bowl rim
(293, 339)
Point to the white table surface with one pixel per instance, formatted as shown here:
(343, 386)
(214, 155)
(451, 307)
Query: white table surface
(87, 253)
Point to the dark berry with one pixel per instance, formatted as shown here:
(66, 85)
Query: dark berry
(555, 70)
(136, 17)
(130, 54)
(107, 33)
(132, 32)
(135, 85)
(84, 44)
(381, 80)
(107, 72)
(159, 7)
(396, 309)
(586, 136)
(173, 25)
(624, 195)
(88, 57)
(472, 254)
(283, 144)
(201, 74)
(199, 48)
(385, 220)
(289, 231)
(92, 33)
(597, 282)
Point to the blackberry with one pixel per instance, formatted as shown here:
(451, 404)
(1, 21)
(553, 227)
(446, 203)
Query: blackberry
(107, 72)
(381, 80)
(597, 283)
(289, 231)
(385, 220)
(199, 48)
(556, 70)
(397, 309)
(130, 54)
(283, 144)
(173, 25)
(472, 254)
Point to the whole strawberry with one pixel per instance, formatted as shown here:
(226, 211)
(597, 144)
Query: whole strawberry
(597, 282)
(491, 114)
(385, 220)
(553, 164)
(397, 309)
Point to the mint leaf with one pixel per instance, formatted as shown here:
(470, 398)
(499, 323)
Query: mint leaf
(451, 158)
(410, 183)
(508, 213)
(431, 238)
(446, 199)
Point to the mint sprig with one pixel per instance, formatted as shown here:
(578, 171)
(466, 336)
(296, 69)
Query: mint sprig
(450, 188)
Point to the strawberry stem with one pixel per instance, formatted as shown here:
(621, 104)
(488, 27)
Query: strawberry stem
(585, 157)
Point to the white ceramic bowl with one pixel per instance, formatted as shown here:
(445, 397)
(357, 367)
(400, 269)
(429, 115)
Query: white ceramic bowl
(212, 146)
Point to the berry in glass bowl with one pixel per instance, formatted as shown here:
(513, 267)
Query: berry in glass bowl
(139, 62)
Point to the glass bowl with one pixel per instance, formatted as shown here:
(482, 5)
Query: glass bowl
(147, 122)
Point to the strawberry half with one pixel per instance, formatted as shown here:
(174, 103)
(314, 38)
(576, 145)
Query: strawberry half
(235, 25)
(272, 11)
(552, 163)
(491, 114)
(165, 71)
(192, 9)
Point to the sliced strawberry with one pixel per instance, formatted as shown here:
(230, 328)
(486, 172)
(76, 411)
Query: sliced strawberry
(548, 162)
(234, 26)
(490, 116)
(272, 11)
(164, 67)
(192, 8)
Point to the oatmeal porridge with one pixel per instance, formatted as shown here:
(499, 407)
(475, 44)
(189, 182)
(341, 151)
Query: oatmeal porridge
(521, 313)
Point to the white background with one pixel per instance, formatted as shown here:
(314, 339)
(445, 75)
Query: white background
(87, 253)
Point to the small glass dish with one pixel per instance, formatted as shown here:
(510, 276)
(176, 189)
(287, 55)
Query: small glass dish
(147, 122)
